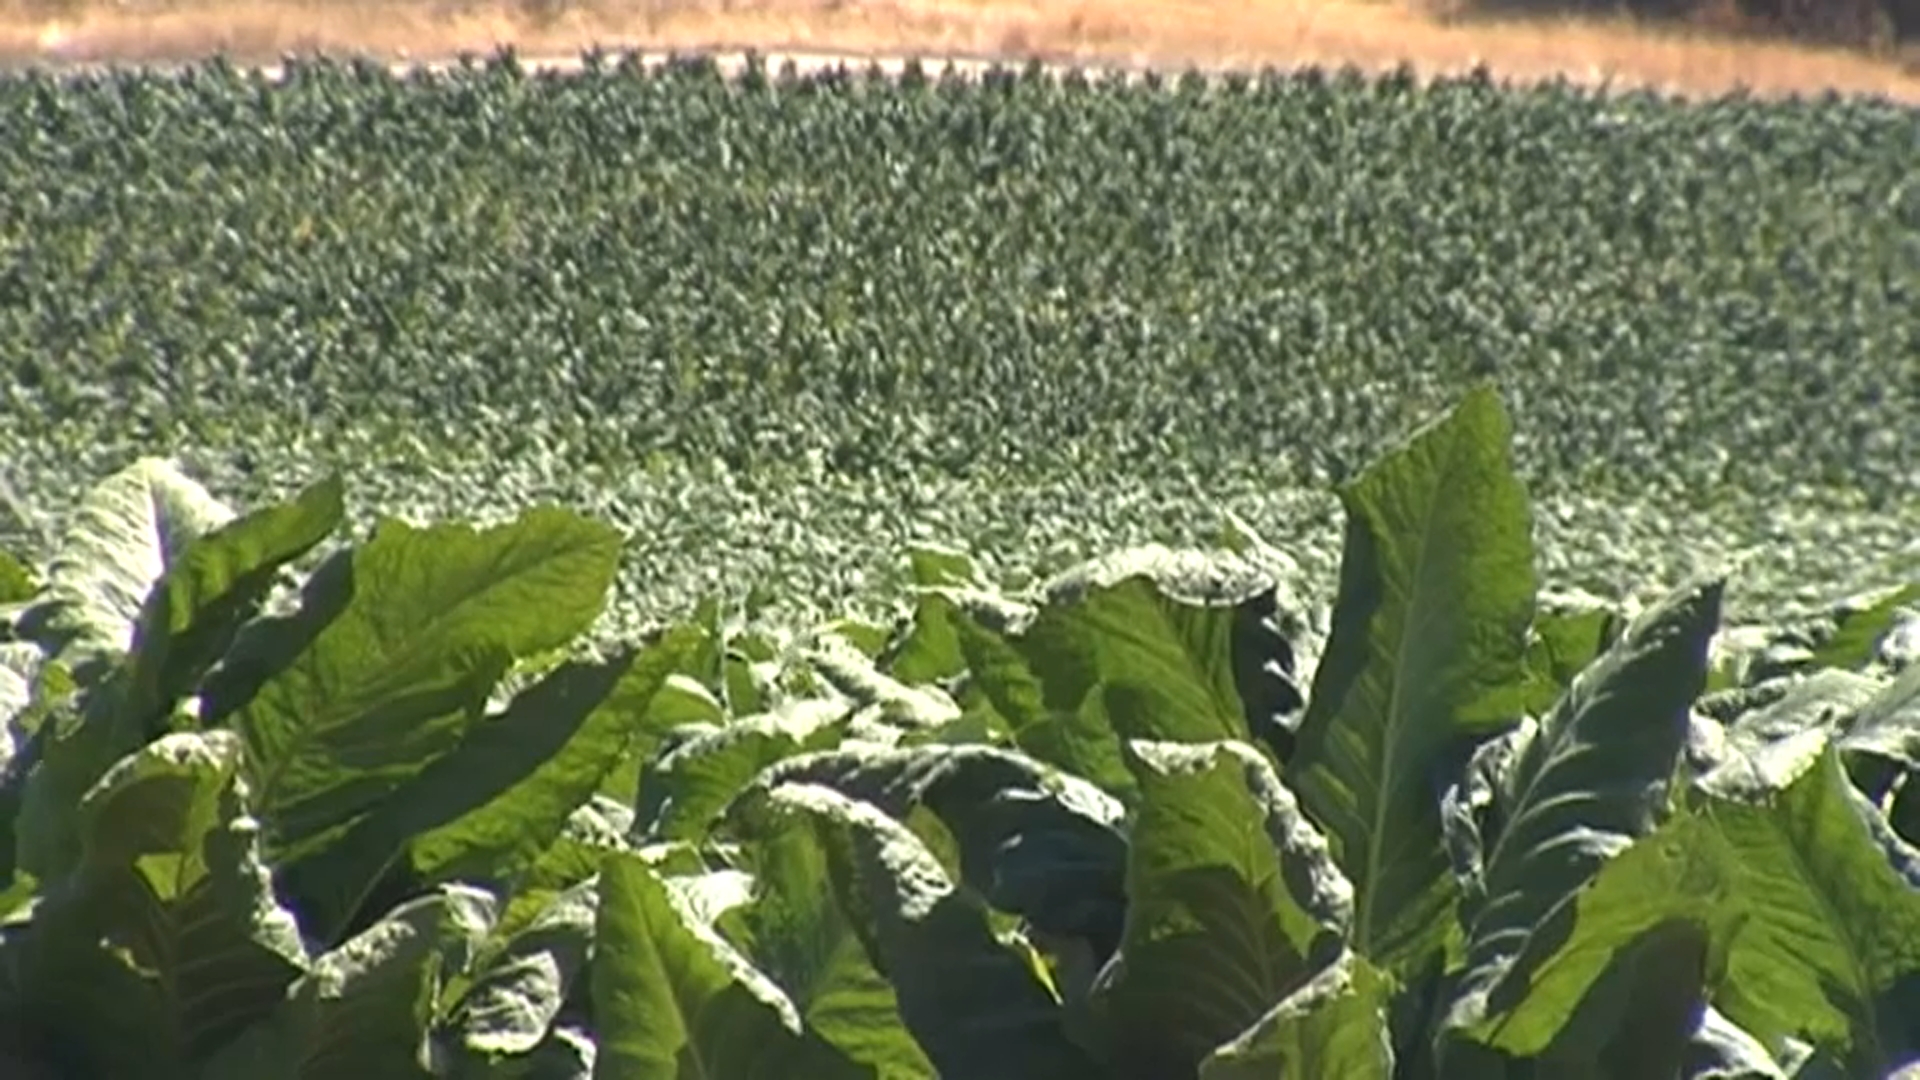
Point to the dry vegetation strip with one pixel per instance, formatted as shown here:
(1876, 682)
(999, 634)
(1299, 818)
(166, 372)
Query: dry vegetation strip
(1209, 33)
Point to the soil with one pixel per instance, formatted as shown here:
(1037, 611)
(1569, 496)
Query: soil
(1372, 34)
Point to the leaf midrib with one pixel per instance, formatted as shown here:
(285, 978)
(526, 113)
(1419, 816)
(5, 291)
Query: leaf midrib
(1364, 932)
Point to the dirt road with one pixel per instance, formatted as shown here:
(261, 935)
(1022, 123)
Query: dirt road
(1374, 34)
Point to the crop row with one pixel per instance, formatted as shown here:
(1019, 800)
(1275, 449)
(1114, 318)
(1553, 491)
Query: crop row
(1145, 821)
(648, 291)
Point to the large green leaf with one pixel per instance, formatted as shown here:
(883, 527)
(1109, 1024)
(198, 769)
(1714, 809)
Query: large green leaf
(1039, 843)
(1333, 1027)
(1048, 679)
(1240, 624)
(1428, 643)
(682, 791)
(1830, 949)
(592, 831)
(976, 1005)
(154, 565)
(683, 703)
(672, 1000)
(1569, 632)
(1588, 782)
(1235, 902)
(485, 811)
(795, 931)
(388, 664)
(929, 649)
(127, 532)
(544, 757)
(365, 1008)
(1046, 710)
(193, 611)
(1618, 969)
(167, 939)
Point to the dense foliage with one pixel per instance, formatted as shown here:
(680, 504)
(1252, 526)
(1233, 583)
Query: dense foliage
(1147, 822)
(940, 305)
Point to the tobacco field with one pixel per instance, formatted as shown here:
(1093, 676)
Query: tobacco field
(778, 327)
(648, 575)
(1143, 822)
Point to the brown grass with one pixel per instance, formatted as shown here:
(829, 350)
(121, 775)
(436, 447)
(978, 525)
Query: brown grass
(1208, 33)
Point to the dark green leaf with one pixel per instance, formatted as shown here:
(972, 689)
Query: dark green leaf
(683, 790)
(1234, 902)
(1335, 1026)
(672, 1000)
(795, 931)
(486, 811)
(1033, 841)
(1573, 796)
(954, 980)
(1857, 632)
(365, 1008)
(168, 934)
(195, 608)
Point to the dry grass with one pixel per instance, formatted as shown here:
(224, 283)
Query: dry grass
(1208, 33)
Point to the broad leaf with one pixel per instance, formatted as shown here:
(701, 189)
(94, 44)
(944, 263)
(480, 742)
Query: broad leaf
(544, 757)
(683, 790)
(929, 650)
(1618, 972)
(191, 615)
(1050, 684)
(1427, 645)
(1569, 632)
(127, 532)
(510, 1004)
(365, 1009)
(1335, 1026)
(953, 979)
(673, 1001)
(1227, 610)
(485, 811)
(151, 563)
(1859, 629)
(167, 939)
(388, 665)
(1046, 709)
(1589, 781)
(1830, 951)
(1041, 844)
(1235, 902)
(681, 703)
(591, 833)
(795, 931)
